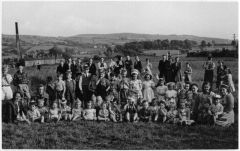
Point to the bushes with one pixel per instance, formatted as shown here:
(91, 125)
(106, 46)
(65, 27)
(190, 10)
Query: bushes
(223, 53)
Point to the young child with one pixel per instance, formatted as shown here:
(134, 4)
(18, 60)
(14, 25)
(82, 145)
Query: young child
(115, 111)
(131, 110)
(148, 86)
(54, 112)
(98, 104)
(161, 90)
(154, 110)
(89, 113)
(172, 114)
(135, 86)
(188, 73)
(145, 113)
(65, 110)
(103, 114)
(50, 89)
(171, 94)
(184, 115)
(42, 109)
(162, 111)
(33, 114)
(123, 87)
(60, 87)
(70, 89)
(114, 86)
(77, 111)
(216, 108)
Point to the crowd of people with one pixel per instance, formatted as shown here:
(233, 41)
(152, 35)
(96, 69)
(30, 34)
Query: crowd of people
(122, 91)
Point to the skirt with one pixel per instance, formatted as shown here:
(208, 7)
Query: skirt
(226, 119)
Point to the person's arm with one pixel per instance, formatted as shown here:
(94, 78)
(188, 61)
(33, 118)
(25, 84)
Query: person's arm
(230, 103)
(80, 83)
(64, 88)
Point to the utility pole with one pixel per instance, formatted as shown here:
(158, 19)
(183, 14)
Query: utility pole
(18, 41)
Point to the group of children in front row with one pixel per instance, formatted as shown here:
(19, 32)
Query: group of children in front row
(175, 108)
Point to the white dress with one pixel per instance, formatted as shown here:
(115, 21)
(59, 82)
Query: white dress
(148, 93)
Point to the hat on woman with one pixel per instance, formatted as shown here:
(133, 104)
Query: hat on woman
(217, 96)
(134, 71)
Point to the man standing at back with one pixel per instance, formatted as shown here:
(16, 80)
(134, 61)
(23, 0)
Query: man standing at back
(161, 67)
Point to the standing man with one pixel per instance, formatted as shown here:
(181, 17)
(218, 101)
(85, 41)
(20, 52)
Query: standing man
(74, 69)
(21, 81)
(92, 67)
(209, 70)
(161, 67)
(7, 93)
(138, 64)
(84, 85)
(60, 68)
(128, 66)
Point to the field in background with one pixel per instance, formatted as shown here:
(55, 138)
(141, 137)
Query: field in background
(94, 135)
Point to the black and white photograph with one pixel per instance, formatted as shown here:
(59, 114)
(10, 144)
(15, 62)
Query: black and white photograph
(119, 75)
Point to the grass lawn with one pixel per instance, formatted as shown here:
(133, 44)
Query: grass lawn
(94, 135)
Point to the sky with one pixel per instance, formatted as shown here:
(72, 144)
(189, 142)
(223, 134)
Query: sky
(208, 19)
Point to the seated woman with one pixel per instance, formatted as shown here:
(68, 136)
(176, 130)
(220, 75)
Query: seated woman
(227, 117)
(15, 111)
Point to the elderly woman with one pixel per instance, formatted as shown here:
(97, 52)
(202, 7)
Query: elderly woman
(227, 117)
(14, 110)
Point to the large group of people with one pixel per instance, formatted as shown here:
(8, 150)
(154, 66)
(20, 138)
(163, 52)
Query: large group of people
(122, 91)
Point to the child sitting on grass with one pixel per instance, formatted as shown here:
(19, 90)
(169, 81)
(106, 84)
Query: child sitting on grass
(65, 110)
(131, 110)
(77, 111)
(184, 115)
(115, 111)
(172, 114)
(103, 114)
(54, 112)
(42, 109)
(33, 114)
(89, 113)
(145, 113)
(216, 108)
(154, 110)
(162, 112)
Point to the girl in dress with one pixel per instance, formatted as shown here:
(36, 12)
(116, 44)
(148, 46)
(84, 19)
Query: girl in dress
(54, 112)
(148, 86)
(161, 90)
(135, 86)
(184, 115)
(77, 111)
(172, 114)
(89, 113)
(103, 114)
(124, 88)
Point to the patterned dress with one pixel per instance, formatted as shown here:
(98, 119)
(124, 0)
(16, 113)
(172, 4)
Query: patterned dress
(148, 93)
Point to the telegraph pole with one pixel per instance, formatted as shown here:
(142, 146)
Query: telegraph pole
(18, 41)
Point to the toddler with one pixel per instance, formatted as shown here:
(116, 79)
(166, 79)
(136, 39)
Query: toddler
(65, 110)
(89, 113)
(54, 112)
(103, 114)
(162, 112)
(42, 109)
(145, 113)
(77, 111)
(33, 115)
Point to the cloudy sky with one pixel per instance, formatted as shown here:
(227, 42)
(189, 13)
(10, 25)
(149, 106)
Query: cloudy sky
(211, 19)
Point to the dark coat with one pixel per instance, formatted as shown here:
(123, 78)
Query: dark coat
(10, 111)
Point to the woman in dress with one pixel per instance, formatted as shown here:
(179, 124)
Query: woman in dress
(203, 102)
(148, 86)
(227, 117)
(176, 66)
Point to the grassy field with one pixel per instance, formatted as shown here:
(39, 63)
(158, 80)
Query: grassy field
(95, 135)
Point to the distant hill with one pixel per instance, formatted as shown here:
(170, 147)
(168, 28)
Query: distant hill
(86, 41)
